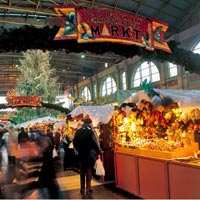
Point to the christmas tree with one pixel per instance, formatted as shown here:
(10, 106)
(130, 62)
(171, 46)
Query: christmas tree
(37, 78)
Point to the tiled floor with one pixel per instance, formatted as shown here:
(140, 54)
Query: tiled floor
(68, 183)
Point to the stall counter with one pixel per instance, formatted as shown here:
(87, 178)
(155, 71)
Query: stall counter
(145, 177)
(184, 179)
(153, 178)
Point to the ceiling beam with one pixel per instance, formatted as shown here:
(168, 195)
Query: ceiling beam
(116, 4)
(138, 8)
(180, 21)
(38, 5)
(28, 10)
(15, 22)
(162, 8)
(104, 5)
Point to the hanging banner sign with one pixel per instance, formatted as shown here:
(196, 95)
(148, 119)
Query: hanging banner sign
(5, 117)
(110, 26)
(159, 29)
(68, 29)
(95, 25)
(15, 101)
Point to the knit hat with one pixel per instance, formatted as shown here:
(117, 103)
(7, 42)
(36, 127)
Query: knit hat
(87, 121)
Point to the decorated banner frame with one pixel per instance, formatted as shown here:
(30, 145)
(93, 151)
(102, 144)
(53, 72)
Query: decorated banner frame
(97, 25)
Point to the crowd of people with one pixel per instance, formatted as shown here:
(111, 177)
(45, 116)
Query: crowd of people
(31, 151)
(32, 148)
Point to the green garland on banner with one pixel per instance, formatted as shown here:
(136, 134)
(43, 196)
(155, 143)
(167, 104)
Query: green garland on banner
(15, 120)
(30, 37)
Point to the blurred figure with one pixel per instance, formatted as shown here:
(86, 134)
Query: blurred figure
(22, 137)
(57, 138)
(50, 135)
(35, 168)
(47, 178)
(11, 145)
(86, 143)
(32, 134)
(27, 169)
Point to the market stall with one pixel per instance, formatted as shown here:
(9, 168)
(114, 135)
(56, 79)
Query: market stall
(149, 125)
(97, 113)
(149, 135)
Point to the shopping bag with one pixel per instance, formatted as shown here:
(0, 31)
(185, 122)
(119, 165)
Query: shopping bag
(98, 166)
(55, 153)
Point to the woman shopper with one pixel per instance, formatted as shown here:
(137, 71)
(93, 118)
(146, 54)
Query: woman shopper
(87, 146)
(69, 156)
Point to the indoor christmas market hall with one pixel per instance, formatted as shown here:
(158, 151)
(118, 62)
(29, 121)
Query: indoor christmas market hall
(99, 99)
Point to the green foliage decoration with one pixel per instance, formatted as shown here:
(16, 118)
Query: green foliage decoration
(148, 88)
(19, 119)
(30, 37)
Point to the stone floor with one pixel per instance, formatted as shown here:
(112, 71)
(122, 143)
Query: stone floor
(68, 183)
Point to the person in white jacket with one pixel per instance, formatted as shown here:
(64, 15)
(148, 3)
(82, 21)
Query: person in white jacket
(12, 144)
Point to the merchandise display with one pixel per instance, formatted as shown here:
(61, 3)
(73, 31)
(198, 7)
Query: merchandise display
(156, 130)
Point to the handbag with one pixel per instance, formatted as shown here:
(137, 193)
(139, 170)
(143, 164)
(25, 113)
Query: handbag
(99, 168)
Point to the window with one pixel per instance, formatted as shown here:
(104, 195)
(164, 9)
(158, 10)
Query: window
(146, 70)
(196, 49)
(95, 90)
(86, 95)
(172, 70)
(109, 87)
(124, 81)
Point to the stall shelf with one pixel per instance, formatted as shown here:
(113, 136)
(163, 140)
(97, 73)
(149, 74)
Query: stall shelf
(156, 178)
(153, 178)
(186, 151)
(126, 172)
(184, 179)
(145, 177)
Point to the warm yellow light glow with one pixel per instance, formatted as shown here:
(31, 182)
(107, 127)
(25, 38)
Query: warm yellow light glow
(133, 126)
(125, 120)
(177, 111)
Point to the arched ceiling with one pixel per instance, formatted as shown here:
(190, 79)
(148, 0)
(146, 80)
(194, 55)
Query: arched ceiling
(71, 68)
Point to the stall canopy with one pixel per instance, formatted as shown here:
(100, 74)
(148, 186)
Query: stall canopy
(119, 96)
(98, 114)
(136, 97)
(184, 98)
(44, 120)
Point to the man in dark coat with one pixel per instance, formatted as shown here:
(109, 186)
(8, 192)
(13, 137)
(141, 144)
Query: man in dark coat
(22, 137)
(86, 143)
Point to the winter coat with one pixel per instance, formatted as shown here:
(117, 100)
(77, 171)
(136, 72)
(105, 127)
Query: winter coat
(86, 144)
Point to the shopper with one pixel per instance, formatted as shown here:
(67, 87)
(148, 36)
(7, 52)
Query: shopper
(11, 144)
(87, 146)
(57, 138)
(22, 137)
(47, 178)
(69, 157)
